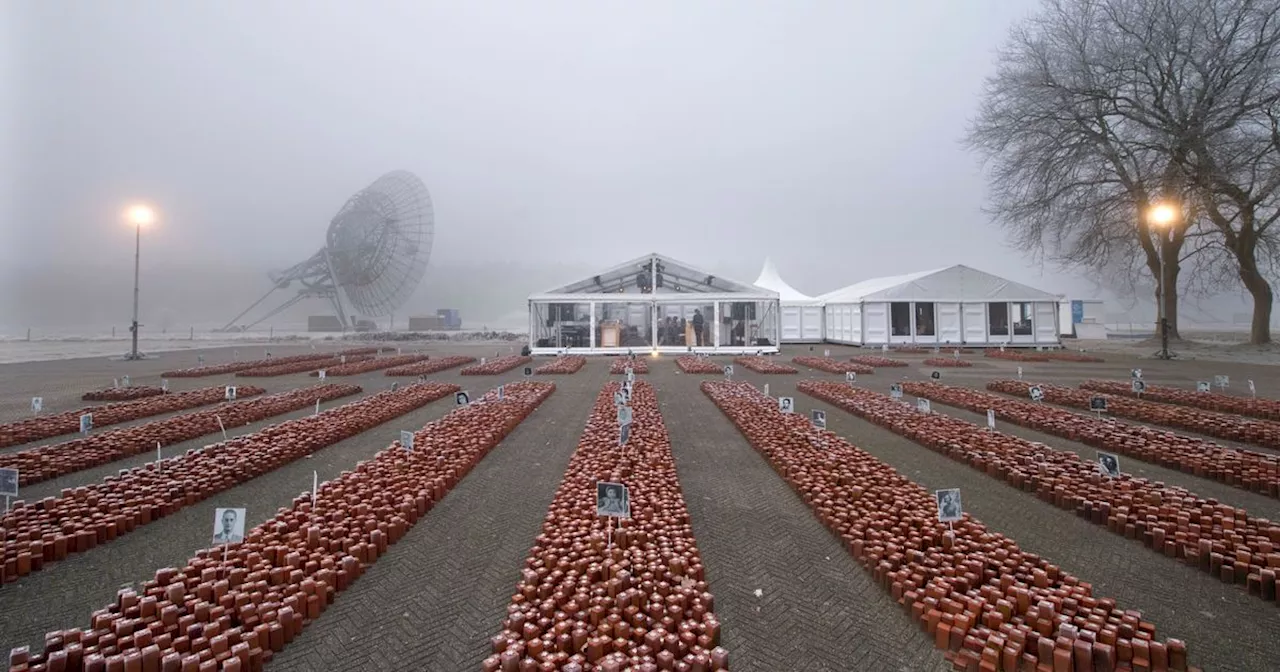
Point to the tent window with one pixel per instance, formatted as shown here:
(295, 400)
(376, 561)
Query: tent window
(924, 319)
(1022, 315)
(900, 318)
(998, 319)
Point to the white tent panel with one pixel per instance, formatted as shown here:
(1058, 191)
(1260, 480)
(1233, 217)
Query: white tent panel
(949, 323)
(1046, 322)
(810, 324)
(843, 323)
(792, 323)
(770, 279)
(875, 323)
(974, 319)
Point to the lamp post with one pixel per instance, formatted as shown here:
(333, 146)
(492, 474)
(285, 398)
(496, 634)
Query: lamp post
(139, 216)
(1161, 216)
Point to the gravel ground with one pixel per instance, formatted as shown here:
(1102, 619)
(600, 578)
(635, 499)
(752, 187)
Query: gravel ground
(436, 598)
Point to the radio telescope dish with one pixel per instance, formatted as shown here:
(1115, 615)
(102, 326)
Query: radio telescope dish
(375, 254)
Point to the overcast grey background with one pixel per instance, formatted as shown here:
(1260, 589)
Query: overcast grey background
(556, 138)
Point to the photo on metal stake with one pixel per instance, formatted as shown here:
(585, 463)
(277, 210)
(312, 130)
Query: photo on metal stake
(37, 404)
(728, 371)
(1221, 382)
(321, 374)
(528, 371)
(86, 423)
(461, 398)
(1098, 403)
(948, 503)
(819, 418)
(230, 393)
(1036, 393)
(1108, 464)
(936, 375)
(786, 404)
(612, 500)
(923, 405)
(895, 390)
(624, 433)
(850, 376)
(624, 415)
(1202, 386)
(228, 526)
(406, 440)
(1139, 386)
(9, 482)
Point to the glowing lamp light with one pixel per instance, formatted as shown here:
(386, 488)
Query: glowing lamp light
(140, 215)
(1163, 214)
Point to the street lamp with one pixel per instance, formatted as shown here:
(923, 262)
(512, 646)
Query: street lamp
(139, 215)
(1162, 216)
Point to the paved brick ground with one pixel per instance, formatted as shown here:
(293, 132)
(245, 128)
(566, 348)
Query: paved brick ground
(1225, 628)
(819, 610)
(434, 600)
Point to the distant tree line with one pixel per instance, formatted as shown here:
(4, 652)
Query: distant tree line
(1120, 133)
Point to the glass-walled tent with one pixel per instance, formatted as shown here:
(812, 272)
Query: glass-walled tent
(654, 304)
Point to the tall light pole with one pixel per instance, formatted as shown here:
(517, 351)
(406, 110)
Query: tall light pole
(1161, 216)
(139, 216)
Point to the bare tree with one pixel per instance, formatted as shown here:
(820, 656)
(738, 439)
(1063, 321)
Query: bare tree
(1100, 108)
(1207, 80)
(1072, 178)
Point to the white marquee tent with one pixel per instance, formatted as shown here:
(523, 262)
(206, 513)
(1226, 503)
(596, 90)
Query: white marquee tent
(801, 313)
(654, 304)
(954, 305)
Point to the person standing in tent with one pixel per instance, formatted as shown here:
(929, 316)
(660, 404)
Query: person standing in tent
(697, 326)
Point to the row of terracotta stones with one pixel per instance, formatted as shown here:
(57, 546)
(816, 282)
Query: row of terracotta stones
(638, 365)
(878, 361)
(81, 518)
(943, 362)
(128, 393)
(695, 364)
(366, 365)
(1264, 433)
(1015, 356)
(1263, 409)
(232, 367)
(987, 603)
(562, 365)
(496, 365)
(311, 366)
(58, 459)
(832, 365)
(231, 614)
(595, 595)
(68, 422)
(1222, 540)
(1246, 469)
(761, 364)
(430, 366)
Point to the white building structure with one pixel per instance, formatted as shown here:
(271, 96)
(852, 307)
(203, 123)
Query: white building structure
(801, 314)
(651, 305)
(954, 305)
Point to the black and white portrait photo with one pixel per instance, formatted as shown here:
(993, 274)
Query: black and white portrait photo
(462, 398)
(949, 509)
(613, 500)
(819, 418)
(228, 526)
(9, 482)
(1097, 403)
(1109, 465)
(786, 404)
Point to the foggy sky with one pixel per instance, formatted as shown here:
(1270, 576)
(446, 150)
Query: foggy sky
(554, 136)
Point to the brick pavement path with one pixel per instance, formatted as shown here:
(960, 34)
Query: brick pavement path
(1225, 628)
(818, 609)
(434, 600)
